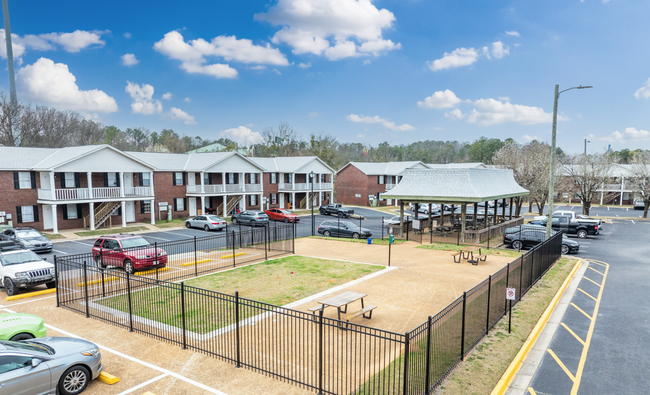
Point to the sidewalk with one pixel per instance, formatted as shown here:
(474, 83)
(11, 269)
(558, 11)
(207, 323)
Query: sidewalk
(70, 234)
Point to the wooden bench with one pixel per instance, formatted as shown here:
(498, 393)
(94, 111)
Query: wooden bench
(362, 312)
(482, 257)
(457, 254)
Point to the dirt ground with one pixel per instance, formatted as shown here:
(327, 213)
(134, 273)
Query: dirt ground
(424, 282)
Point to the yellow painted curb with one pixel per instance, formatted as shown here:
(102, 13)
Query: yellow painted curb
(30, 294)
(507, 377)
(151, 271)
(231, 255)
(197, 262)
(107, 378)
(97, 281)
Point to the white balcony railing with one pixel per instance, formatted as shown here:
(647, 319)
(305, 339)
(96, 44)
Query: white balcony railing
(253, 188)
(234, 188)
(97, 193)
(304, 186)
(137, 191)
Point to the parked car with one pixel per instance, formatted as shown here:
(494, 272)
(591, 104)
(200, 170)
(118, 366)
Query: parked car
(129, 251)
(29, 238)
(49, 365)
(19, 326)
(336, 209)
(250, 217)
(639, 204)
(570, 227)
(528, 236)
(207, 222)
(280, 214)
(395, 220)
(584, 219)
(424, 208)
(21, 268)
(343, 229)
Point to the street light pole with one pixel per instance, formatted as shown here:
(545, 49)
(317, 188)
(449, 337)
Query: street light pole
(551, 185)
(311, 201)
(586, 141)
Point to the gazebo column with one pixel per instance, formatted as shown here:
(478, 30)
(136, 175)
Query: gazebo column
(463, 214)
(401, 217)
(417, 209)
(503, 209)
(510, 215)
(475, 215)
(486, 214)
(430, 222)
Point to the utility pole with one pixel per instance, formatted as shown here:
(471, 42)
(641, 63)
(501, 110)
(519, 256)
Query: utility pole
(586, 141)
(15, 127)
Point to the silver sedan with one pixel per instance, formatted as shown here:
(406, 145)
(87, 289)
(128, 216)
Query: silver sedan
(49, 365)
(207, 222)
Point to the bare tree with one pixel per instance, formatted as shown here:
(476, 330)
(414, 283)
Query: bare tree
(588, 174)
(641, 177)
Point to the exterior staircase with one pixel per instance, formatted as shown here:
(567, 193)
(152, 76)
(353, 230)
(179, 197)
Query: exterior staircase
(232, 202)
(314, 200)
(102, 213)
(611, 197)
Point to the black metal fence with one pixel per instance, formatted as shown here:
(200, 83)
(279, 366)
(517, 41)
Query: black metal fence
(308, 350)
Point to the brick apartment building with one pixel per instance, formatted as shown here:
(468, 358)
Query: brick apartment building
(89, 186)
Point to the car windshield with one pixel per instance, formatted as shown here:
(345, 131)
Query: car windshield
(27, 234)
(32, 347)
(19, 257)
(350, 225)
(214, 218)
(135, 242)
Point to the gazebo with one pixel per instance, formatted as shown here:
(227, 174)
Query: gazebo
(456, 187)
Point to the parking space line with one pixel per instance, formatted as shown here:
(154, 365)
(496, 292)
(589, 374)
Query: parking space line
(82, 243)
(580, 310)
(591, 280)
(596, 262)
(146, 383)
(602, 274)
(60, 252)
(159, 238)
(581, 290)
(532, 391)
(573, 333)
(559, 362)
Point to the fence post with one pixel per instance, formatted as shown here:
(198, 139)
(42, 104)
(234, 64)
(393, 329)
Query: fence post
(462, 335)
(505, 308)
(407, 341)
(293, 239)
(155, 254)
(196, 261)
(103, 286)
(382, 227)
(532, 266)
(183, 314)
(320, 352)
(389, 246)
(521, 276)
(428, 363)
(128, 291)
(86, 289)
(56, 281)
(489, 233)
(266, 253)
(234, 263)
(487, 325)
(238, 365)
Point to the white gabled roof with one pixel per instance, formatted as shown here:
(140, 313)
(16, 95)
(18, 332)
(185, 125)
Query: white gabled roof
(188, 162)
(471, 165)
(287, 164)
(383, 168)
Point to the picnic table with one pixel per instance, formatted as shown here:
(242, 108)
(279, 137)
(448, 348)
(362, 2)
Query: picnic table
(444, 230)
(341, 303)
(468, 253)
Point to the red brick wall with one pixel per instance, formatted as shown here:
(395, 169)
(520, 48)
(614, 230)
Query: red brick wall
(271, 188)
(10, 198)
(166, 191)
(350, 182)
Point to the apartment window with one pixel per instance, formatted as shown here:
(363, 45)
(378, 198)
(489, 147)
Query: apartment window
(178, 178)
(71, 209)
(380, 180)
(145, 206)
(112, 179)
(274, 198)
(323, 178)
(26, 214)
(69, 180)
(251, 178)
(274, 178)
(253, 200)
(179, 204)
(24, 180)
(206, 179)
(146, 179)
(323, 196)
(289, 178)
(231, 178)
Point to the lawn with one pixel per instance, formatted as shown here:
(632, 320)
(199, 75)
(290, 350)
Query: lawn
(111, 231)
(383, 242)
(53, 236)
(275, 282)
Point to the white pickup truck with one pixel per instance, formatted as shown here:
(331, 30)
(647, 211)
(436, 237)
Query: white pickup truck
(585, 219)
(21, 268)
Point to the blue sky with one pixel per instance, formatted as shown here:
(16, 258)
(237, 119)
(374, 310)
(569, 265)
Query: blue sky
(386, 70)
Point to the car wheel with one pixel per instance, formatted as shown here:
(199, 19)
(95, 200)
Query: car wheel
(234, 220)
(188, 225)
(10, 288)
(128, 267)
(74, 380)
(51, 284)
(341, 215)
(100, 262)
(206, 228)
(565, 249)
(582, 234)
(286, 220)
(327, 233)
(517, 245)
(21, 336)
(355, 235)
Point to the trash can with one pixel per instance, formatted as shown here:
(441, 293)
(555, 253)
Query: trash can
(391, 239)
(369, 241)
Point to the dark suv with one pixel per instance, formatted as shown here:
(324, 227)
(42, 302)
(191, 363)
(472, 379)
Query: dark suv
(343, 229)
(129, 251)
(528, 236)
(251, 217)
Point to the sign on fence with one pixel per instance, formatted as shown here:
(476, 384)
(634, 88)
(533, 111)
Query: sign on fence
(510, 294)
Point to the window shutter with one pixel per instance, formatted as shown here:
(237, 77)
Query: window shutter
(119, 211)
(35, 208)
(79, 211)
(378, 180)
(141, 203)
(105, 180)
(19, 215)
(210, 178)
(16, 181)
(65, 211)
(77, 182)
(62, 179)
(236, 178)
(174, 179)
(184, 178)
(32, 176)
(117, 179)
(184, 204)
(175, 205)
(140, 180)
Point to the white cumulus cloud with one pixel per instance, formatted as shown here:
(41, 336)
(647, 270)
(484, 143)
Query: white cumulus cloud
(53, 83)
(530, 138)
(644, 91)
(455, 115)
(492, 112)
(629, 134)
(70, 42)
(178, 114)
(128, 59)
(440, 99)
(142, 96)
(167, 95)
(304, 65)
(384, 122)
(243, 136)
(467, 56)
(312, 26)
(187, 100)
(499, 50)
(77, 40)
(513, 33)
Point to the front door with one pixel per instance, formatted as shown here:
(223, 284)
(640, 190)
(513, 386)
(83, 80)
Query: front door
(128, 179)
(47, 217)
(130, 210)
(192, 203)
(281, 197)
(191, 178)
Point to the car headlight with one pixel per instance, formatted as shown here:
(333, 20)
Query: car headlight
(22, 275)
(141, 257)
(51, 270)
(91, 353)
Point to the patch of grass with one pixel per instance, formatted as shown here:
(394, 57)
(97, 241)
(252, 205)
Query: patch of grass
(485, 365)
(110, 231)
(276, 282)
(53, 236)
(484, 250)
(383, 242)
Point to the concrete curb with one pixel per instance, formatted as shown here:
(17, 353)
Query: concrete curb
(507, 378)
